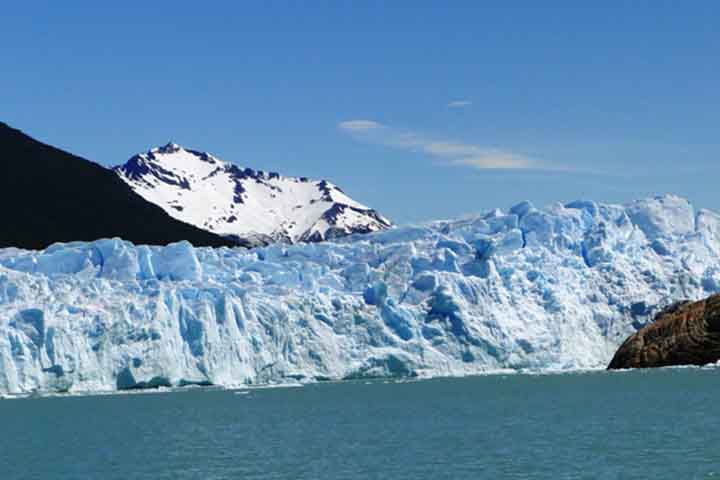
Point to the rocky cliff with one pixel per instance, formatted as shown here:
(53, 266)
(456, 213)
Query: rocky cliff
(687, 333)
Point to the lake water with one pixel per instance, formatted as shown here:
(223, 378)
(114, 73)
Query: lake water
(640, 424)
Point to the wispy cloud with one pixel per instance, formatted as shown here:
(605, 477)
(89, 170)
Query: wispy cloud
(459, 103)
(444, 152)
(359, 125)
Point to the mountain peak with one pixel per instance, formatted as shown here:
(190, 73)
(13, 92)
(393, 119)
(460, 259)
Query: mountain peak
(223, 198)
(169, 147)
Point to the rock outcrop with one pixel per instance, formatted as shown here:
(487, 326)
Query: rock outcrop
(687, 333)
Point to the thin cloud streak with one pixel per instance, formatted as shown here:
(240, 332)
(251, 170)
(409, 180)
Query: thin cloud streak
(359, 125)
(445, 152)
(459, 104)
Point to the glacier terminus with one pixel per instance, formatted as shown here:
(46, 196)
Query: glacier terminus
(525, 289)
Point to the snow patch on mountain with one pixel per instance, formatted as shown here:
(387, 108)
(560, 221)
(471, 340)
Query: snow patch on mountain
(221, 197)
(524, 289)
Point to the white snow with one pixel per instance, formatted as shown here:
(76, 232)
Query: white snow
(550, 289)
(202, 190)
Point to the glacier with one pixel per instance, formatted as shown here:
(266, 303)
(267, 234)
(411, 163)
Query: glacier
(525, 289)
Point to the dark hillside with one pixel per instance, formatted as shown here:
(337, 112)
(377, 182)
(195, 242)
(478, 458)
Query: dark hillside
(48, 195)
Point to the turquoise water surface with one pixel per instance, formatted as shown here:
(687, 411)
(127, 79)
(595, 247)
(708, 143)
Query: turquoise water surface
(639, 424)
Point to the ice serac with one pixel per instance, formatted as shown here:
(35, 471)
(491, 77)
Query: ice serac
(254, 206)
(552, 288)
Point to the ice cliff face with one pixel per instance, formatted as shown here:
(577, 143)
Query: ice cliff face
(557, 288)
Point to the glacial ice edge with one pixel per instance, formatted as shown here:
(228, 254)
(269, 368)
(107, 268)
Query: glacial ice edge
(556, 288)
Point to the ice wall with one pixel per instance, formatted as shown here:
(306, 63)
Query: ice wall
(552, 288)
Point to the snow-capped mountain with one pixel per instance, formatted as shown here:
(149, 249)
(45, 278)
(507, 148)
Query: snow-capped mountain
(254, 205)
(553, 288)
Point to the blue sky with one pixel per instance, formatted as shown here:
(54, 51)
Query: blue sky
(421, 109)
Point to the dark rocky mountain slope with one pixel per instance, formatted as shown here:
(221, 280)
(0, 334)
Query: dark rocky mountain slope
(49, 195)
